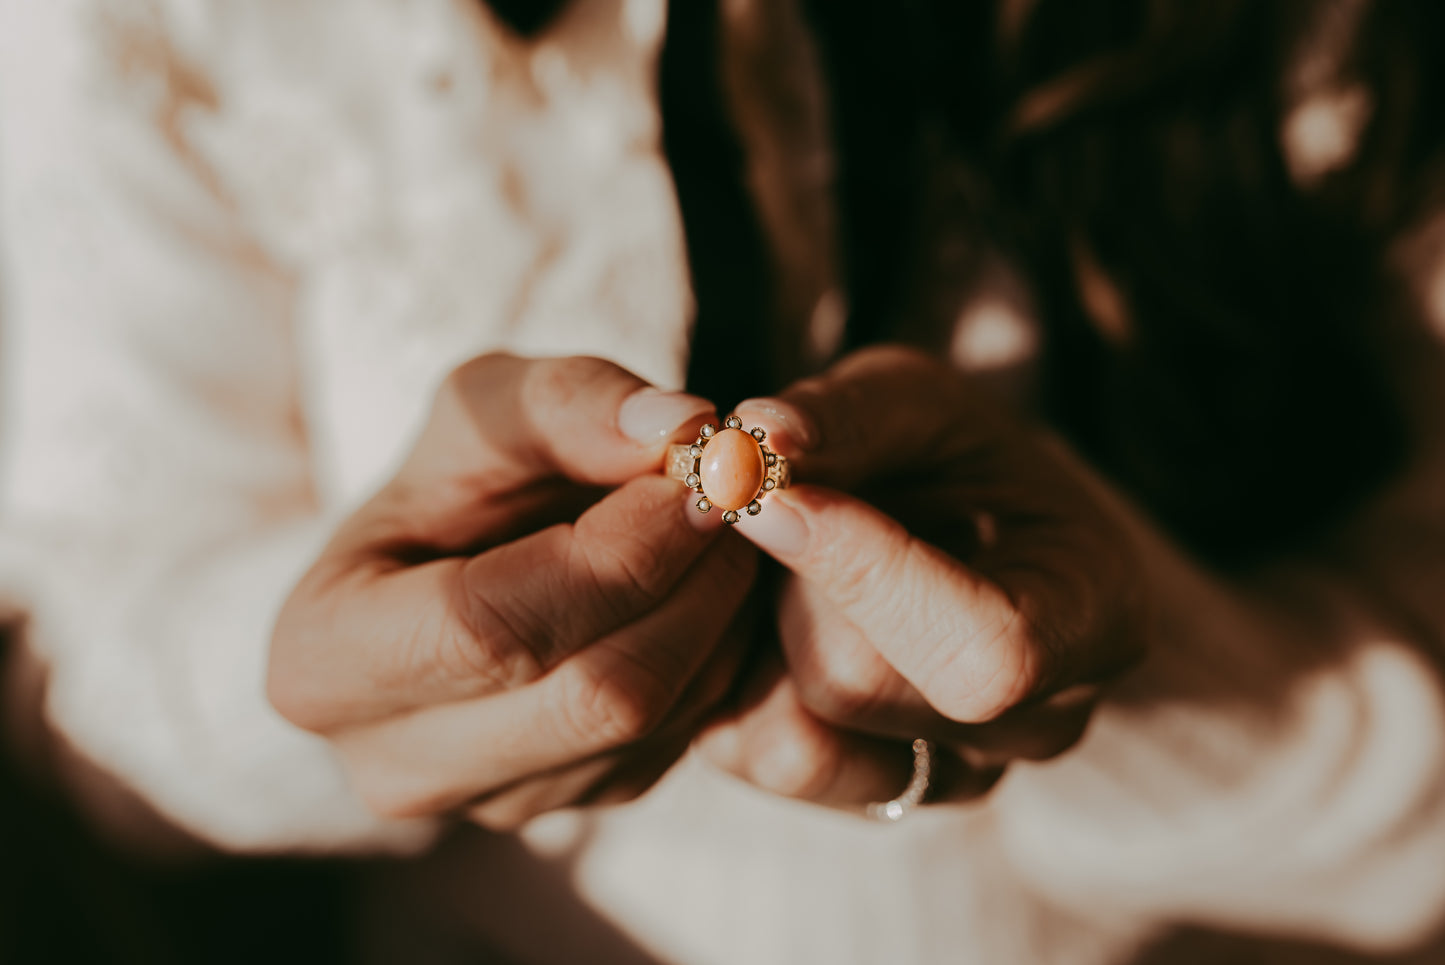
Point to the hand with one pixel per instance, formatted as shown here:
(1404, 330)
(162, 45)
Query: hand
(956, 576)
(529, 614)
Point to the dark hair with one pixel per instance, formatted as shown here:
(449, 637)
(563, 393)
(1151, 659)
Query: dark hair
(1133, 147)
(1216, 329)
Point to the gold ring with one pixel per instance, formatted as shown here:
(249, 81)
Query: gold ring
(729, 468)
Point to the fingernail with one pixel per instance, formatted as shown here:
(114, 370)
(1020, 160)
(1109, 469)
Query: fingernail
(777, 416)
(779, 530)
(651, 416)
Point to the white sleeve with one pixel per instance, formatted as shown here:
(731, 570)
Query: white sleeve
(156, 501)
(1278, 763)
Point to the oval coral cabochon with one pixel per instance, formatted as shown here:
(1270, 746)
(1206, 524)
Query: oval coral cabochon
(732, 469)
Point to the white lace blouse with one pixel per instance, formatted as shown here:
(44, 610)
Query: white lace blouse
(242, 242)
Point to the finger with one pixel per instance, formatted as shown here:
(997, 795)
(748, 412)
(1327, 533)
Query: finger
(389, 532)
(841, 679)
(404, 637)
(534, 602)
(955, 636)
(880, 411)
(773, 743)
(1036, 732)
(839, 675)
(617, 776)
(508, 808)
(500, 423)
(608, 695)
(613, 779)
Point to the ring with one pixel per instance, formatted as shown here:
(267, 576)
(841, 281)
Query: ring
(729, 468)
(914, 793)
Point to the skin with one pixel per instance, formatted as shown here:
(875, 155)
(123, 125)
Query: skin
(526, 616)
(949, 573)
(529, 616)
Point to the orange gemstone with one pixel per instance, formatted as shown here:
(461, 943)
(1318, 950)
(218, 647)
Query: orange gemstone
(732, 469)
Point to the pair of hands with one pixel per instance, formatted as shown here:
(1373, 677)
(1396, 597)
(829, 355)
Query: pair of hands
(530, 616)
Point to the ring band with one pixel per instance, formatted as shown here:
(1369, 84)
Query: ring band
(729, 468)
(914, 793)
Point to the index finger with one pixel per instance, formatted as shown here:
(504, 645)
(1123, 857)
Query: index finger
(880, 410)
(371, 641)
(500, 424)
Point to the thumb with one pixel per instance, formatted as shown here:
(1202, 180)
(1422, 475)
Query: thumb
(953, 634)
(506, 433)
(507, 421)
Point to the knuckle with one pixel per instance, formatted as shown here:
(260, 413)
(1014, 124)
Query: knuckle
(287, 696)
(623, 704)
(491, 656)
(291, 691)
(501, 815)
(295, 701)
(499, 642)
(291, 700)
(625, 569)
(457, 380)
(390, 792)
(459, 384)
(557, 384)
(857, 568)
(988, 675)
(394, 807)
(798, 762)
(453, 388)
(1009, 675)
(478, 366)
(472, 655)
(845, 685)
